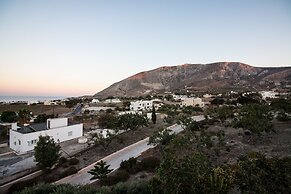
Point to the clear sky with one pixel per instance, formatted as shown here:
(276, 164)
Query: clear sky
(69, 48)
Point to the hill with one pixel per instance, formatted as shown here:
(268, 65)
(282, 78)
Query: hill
(201, 77)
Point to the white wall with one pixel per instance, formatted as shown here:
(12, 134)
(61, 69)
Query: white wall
(57, 122)
(21, 143)
(193, 102)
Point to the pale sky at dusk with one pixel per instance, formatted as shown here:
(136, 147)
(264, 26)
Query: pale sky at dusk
(71, 48)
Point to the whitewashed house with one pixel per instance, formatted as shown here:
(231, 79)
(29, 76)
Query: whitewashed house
(141, 105)
(23, 139)
(112, 100)
(49, 102)
(269, 94)
(192, 102)
(179, 97)
(95, 100)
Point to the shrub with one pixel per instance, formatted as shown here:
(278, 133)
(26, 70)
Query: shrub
(62, 160)
(257, 174)
(150, 163)
(131, 165)
(51, 177)
(119, 176)
(22, 185)
(71, 170)
(282, 116)
(73, 161)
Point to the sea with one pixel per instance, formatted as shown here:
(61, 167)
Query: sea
(10, 99)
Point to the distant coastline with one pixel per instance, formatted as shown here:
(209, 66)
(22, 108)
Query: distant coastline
(10, 99)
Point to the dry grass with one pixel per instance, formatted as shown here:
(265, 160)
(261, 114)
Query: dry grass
(36, 109)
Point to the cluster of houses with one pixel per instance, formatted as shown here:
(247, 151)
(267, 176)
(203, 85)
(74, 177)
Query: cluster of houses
(23, 138)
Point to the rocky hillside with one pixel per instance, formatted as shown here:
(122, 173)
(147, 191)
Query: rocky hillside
(202, 77)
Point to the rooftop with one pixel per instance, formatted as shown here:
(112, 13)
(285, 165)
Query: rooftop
(33, 128)
(37, 127)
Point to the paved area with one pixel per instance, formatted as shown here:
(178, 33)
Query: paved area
(12, 164)
(15, 164)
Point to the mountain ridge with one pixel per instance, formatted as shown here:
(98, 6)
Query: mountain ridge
(199, 77)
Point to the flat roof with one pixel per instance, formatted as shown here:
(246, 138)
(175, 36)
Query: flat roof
(37, 127)
(32, 128)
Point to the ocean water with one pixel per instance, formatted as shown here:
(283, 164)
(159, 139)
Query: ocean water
(29, 98)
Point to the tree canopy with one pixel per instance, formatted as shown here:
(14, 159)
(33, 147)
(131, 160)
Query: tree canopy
(9, 116)
(100, 171)
(46, 152)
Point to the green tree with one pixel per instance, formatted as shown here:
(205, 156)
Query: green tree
(100, 171)
(189, 124)
(255, 173)
(42, 118)
(281, 104)
(72, 102)
(256, 118)
(221, 113)
(184, 174)
(103, 141)
(46, 152)
(132, 121)
(191, 109)
(8, 116)
(217, 101)
(24, 116)
(162, 137)
(154, 115)
(107, 121)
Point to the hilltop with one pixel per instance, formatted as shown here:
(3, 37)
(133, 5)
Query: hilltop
(200, 77)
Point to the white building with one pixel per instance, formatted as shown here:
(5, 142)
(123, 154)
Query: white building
(141, 105)
(95, 100)
(96, 109)
(23, 139)
(192, 102)
(130, 112)
(269, 94)
(49, 102)
(179, 97)
(113, 100)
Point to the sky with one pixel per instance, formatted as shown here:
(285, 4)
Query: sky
(73, 48)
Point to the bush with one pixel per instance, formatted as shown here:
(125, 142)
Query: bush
(22, 185)
(282, 116)
(119, 176)
(62, 160)
(71, 170)
(258, 174)
(131, 165)
(38, 189)
(150, 163)
(73, 161)
(52, 177)
(8, 116)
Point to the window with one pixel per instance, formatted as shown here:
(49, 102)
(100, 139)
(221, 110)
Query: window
(15, 143)
(70, 133)
(19, 142)
(48, 124)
